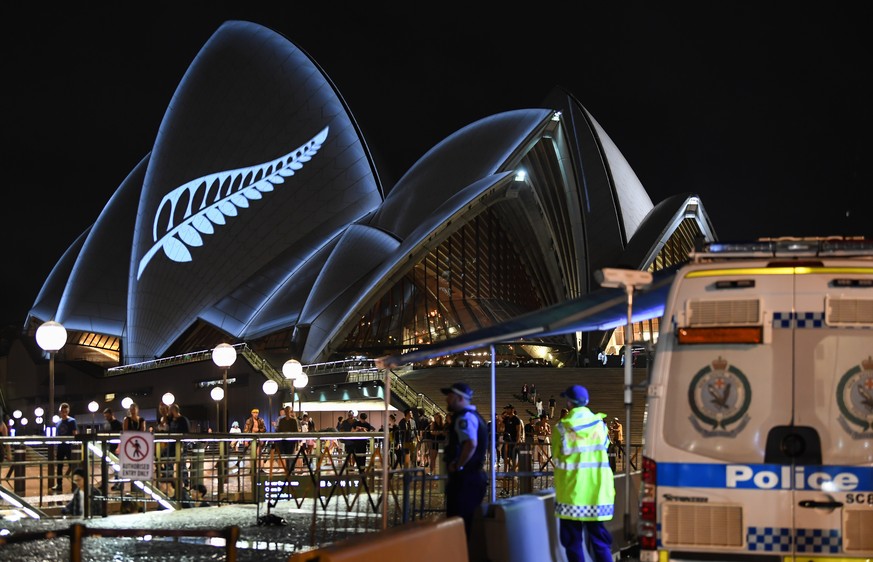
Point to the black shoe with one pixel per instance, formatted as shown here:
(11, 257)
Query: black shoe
(57, 489)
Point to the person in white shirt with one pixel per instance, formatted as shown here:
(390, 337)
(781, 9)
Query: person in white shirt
(234, 428)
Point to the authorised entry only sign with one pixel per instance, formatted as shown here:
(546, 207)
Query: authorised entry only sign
(136, 452)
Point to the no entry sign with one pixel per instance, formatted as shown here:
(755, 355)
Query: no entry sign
(136, 453)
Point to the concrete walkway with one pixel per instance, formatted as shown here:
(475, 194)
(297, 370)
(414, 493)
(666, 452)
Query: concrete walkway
(262, 543)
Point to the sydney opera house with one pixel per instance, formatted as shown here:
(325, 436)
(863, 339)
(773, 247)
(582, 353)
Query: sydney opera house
(259, 217)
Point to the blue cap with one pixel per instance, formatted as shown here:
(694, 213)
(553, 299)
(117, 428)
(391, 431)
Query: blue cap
(577, 394)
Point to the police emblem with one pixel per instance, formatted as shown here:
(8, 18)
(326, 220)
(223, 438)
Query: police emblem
(719, 396)
(855, 400)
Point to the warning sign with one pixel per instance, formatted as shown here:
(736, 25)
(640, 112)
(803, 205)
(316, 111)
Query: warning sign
(136, 453)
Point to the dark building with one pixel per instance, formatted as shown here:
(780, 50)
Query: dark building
(259, 217)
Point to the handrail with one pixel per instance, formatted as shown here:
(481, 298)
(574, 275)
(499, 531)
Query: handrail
(242, 349)
(430, 407)
(343, 365)
(400, 388)
(78, 531)
(261, 364)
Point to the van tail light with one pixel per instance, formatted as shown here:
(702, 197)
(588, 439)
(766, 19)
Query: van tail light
(727, 335)
(648, 527)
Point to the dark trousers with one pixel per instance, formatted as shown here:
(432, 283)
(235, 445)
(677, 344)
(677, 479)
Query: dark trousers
(579, 536)
(63, 453)
(465, 491)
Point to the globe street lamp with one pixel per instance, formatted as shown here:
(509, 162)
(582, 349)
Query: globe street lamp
(224, 355)
(168, 398)
(126, 402)
(217, 394)
(270, 387)
(51, 336)
(291, 370)
(92, 407)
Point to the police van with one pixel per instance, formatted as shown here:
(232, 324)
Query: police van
(758, 440)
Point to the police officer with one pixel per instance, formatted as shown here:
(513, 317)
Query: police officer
(464, 455)
(584, 483)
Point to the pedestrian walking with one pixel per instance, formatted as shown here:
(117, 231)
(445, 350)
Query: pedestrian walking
(179, 424)
(235, 445)
(584, 482)
(513, 437)
(360, 446)
(66, 427)
(408, 434)
(255, 423)
(76, 506)
(616, 437)
(288, 423)
(111, 425)
(133, 421)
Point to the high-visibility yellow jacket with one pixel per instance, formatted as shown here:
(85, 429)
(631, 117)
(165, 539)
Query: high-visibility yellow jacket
(584, 482)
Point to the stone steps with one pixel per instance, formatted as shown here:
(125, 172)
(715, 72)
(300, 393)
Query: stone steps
(605, 386)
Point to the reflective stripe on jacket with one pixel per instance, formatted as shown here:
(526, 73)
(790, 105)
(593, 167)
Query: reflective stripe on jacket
(584, 482)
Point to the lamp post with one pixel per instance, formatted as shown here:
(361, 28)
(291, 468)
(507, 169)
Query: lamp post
(291, 370)
(301, 381)
(16, 415)
(51, 336)
(38, 419)
(92, 407)
(629, 280)
(224, 355)
(270, 387)
(217, 394)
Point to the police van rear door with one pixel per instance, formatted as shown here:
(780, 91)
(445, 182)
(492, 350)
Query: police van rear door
(830, 443)
(729, 383)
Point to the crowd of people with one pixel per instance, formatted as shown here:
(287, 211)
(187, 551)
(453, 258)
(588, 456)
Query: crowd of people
(452, 446)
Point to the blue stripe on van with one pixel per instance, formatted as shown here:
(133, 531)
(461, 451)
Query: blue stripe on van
(766, 477)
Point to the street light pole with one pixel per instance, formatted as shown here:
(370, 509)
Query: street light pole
(93, 406)
(270, 387)
(51, 336)
(629, 280)
(224, 355)
(302, 380)
(291, 370)
(217, 394)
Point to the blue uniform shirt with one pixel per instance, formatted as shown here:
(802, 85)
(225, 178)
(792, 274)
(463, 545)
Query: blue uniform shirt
(467, 426)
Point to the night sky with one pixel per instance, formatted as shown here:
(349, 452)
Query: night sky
(762, 111)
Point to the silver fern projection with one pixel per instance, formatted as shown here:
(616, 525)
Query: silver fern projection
(252, 182)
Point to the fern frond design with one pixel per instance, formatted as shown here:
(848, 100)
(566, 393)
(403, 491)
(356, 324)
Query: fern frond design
(221, 195)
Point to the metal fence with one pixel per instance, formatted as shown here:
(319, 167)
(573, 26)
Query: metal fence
(312, 471)
(280, 473)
